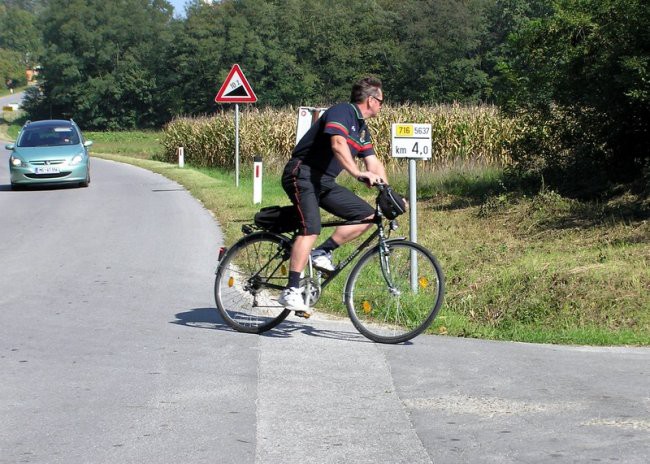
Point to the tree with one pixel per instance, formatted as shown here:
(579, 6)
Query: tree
(583, 75)
(19, 33)
(505, 18)
(12, 71)
(102, 61)
(33, 6)
(441, 41)
(292, 51)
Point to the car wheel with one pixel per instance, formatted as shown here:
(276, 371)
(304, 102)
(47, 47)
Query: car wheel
(85, 182)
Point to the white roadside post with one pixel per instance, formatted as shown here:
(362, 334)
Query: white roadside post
(412, 141)
(257, 180)
(181, 157)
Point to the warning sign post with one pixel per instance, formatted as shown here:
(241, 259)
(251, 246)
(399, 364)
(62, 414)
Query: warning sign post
(236, 89)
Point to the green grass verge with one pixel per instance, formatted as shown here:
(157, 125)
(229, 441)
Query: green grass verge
(10, 124)
(136, 144)
(4, 91)
(139, 144)
(534, 269)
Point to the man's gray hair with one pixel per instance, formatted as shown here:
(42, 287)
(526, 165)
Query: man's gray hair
(364, 88)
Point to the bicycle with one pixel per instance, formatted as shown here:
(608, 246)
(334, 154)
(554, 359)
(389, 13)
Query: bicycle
(392, 294)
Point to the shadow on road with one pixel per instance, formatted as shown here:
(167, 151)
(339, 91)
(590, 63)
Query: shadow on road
(209, 318)
(39, 187)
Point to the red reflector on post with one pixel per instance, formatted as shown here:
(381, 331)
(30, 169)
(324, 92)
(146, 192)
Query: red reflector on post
(257, 180)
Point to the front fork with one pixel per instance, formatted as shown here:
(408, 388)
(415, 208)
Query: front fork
(384, 262)
(312, 284)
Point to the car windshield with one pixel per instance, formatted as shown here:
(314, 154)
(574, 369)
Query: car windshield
(48, 136)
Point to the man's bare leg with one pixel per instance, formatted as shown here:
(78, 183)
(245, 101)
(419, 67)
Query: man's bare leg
(300, 252)
(344, 234)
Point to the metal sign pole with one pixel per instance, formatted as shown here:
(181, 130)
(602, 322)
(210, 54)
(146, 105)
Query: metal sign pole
(413, 222)
(237, 144)
(413, 219)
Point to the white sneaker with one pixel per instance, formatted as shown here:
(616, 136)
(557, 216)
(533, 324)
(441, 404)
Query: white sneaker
(292, 299)
(322, 260)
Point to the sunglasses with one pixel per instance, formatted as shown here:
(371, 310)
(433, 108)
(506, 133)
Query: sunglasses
(380, 100)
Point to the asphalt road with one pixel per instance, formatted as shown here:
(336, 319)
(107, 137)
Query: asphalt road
(111, 351)
(11, 98)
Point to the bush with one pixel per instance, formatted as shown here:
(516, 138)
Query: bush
(562, 150)
(583, 88)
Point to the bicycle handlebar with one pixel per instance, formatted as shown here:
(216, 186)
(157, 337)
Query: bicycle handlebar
(380, 185)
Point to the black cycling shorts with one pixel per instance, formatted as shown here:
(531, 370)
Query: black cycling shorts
(310, 189)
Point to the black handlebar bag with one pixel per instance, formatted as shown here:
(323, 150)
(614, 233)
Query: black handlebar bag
(392, 204)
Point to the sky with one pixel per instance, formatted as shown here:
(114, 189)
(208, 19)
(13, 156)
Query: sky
(179, 7)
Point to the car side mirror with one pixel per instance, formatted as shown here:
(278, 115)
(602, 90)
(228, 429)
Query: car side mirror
(88, 143)
(10, 146)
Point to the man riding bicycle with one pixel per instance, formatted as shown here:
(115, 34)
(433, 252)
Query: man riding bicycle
(309, 179)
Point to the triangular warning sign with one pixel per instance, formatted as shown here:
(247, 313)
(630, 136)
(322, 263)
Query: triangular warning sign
(235, 88)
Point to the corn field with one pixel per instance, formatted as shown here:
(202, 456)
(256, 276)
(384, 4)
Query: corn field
(461, 135)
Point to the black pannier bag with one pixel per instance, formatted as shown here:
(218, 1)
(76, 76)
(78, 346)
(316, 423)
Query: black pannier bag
(278, 219)
(391, 203)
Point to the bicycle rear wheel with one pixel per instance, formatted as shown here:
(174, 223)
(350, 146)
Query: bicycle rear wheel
(249, 280)
(394, 301)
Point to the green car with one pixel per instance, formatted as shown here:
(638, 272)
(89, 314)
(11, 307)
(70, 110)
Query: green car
(49, 152)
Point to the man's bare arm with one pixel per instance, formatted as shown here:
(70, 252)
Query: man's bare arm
(344, 156)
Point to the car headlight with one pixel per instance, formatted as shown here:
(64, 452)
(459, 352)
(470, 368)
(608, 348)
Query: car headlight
(76, 159)
(16, 162)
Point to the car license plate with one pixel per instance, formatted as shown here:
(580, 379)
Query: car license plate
(46, 170)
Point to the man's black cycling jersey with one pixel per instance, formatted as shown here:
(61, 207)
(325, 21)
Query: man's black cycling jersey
(315, 149)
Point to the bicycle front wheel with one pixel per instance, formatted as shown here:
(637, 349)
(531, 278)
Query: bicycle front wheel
(395, 295)
(249, 281)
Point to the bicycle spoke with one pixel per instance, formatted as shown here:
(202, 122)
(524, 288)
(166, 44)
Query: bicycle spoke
(249, 282)
(384, 302)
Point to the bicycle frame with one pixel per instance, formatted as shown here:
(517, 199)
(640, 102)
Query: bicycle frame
(343, 264)
(378, 233)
